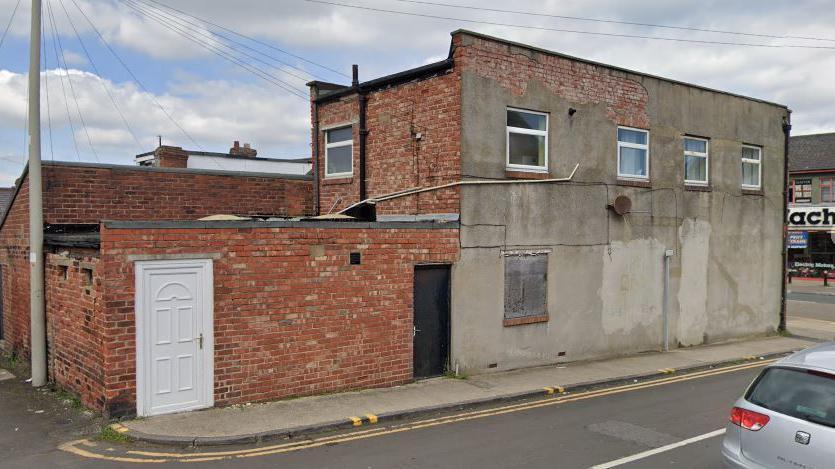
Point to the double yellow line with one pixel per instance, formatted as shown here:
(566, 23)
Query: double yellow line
(159, 457)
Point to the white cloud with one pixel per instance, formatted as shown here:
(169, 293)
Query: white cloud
(218, 103)
(213, 112)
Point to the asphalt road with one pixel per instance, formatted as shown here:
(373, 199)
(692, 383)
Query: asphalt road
(579, 433)
(811, 305)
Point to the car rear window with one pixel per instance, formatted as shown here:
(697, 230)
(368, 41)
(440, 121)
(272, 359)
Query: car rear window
(805, 394)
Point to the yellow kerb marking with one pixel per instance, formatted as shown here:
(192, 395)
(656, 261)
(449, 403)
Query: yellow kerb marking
(549, 390)
(71, 447)
(357, 421)
(559, 389)
(371, 418)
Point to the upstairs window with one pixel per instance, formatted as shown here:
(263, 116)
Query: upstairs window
(633, 153)
(339, 150)
(751, 167)
(695, 160)
(827, 195)
(801, 192)
(527, 140)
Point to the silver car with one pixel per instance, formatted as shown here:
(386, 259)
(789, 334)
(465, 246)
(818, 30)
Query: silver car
(786, 419)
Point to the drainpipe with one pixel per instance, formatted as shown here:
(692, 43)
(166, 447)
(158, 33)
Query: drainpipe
(787, 127)
(665, 309)
(315, 118)
(363, 104)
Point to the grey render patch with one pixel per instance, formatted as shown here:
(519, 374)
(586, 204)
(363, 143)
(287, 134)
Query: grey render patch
(634, 433)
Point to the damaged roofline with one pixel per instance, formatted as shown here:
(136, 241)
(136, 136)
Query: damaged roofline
(383, 82)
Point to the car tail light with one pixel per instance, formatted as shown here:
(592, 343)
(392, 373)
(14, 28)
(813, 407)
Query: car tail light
(748, 419)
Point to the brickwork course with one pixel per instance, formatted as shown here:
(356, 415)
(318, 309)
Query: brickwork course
(88, 194)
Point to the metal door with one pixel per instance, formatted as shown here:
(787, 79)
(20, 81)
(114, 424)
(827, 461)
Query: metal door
(431, 320)
(174, 336)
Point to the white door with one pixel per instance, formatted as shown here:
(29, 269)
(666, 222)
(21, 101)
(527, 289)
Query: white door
(174, 336)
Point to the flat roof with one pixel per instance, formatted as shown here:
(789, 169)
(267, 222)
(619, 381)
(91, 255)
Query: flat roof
(229, 155)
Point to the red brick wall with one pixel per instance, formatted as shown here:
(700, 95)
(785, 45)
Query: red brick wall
(76, 194)
(395, 160)
(514, 67)
(286, 323)
(74, 325)
(14, 252)
(85, 194)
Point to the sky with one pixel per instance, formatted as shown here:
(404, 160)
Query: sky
(124, 72)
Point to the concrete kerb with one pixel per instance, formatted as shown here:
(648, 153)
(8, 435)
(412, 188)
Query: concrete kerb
(346, 423)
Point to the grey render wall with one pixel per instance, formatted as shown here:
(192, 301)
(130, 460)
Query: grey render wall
(605, 272)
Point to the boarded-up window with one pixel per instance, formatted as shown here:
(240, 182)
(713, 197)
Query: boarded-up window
(525, 285)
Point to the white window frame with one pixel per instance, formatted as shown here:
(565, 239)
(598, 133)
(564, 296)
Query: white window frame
(705, 155)
(517, 130)
(343, 143)
(636, 146)
(759, 164)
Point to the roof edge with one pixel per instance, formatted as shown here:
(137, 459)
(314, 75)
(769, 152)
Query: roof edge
(218, 172)
(388, 80)
(611, 67)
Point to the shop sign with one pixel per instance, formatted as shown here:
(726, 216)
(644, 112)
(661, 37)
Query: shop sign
(813, 265)
(812, 217)
(798, 239)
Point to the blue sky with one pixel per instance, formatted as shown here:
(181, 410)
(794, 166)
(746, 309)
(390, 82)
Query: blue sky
(216, 102)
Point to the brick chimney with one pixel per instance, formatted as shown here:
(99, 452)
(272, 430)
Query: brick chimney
(244, 151)
(170, 157)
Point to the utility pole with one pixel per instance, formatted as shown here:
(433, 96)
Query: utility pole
(37, 313)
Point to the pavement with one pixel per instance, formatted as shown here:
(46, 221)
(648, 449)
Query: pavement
(811, 286)
(674, 421)
(309, 415)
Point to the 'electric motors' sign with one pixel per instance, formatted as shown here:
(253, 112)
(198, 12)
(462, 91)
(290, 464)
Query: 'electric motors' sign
(811, 218)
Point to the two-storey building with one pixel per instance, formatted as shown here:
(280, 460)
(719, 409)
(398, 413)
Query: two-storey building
(551, 269)
(811, 251)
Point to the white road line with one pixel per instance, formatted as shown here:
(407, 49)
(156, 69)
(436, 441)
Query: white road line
(652, 452)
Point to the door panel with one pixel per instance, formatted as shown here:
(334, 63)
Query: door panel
(174, 319)
(431, 320)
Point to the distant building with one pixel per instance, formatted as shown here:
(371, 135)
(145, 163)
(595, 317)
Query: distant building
(239, 158)
(811, 204)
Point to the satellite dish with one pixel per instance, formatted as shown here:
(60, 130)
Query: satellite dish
(622, 205)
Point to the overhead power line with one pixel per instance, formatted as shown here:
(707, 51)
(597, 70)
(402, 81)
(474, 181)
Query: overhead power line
(611, 21)
(69, 80)
(206, 41)
(183, 18)
(9, 24)
(572, 31)
(46, 89)
(135, 79)
(64, 91)
(99, 76)
(250, 38)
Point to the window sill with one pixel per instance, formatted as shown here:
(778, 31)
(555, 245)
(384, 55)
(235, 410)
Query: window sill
(634, 182)
(524, 320)
(521, 174)
(344, 180)
(697, 187)
(752, 191)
